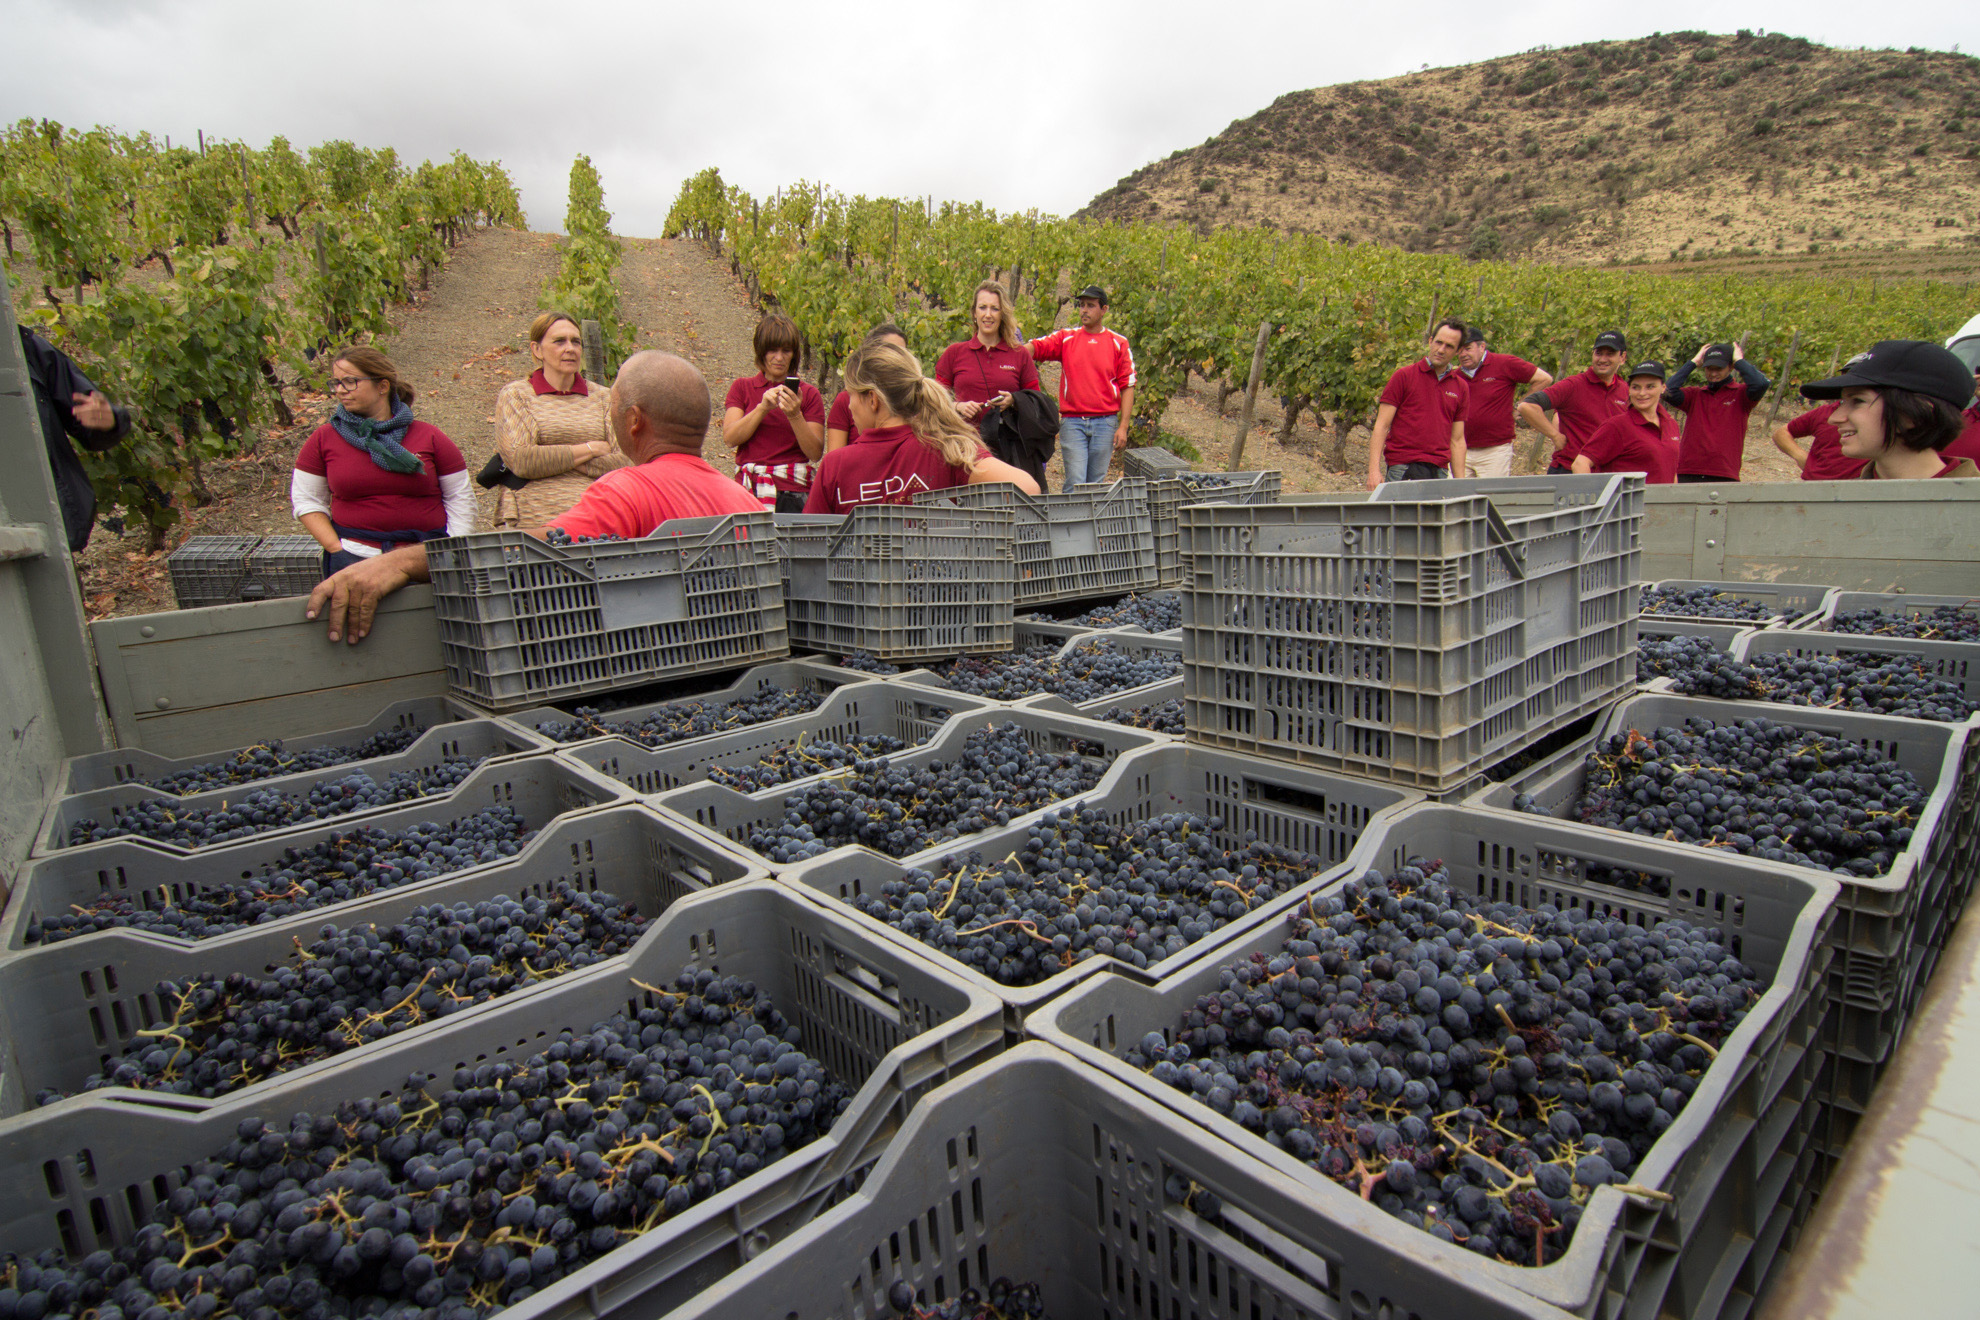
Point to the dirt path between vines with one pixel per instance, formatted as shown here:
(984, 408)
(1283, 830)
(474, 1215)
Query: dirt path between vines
(462, 340)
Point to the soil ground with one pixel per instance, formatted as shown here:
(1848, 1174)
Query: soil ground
(466, 337)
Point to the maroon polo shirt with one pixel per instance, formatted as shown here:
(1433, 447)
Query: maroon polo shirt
(1825, 456)
(1714, 441)
(841, 416)
(887, 465)
(774, 443)
(976, 374)
(1630, 444)
(1488, 418)
(1581, 404)
(541, 384)
(1968, 443)
(1426, 408)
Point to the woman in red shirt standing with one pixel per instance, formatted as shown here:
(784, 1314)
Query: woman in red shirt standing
(1644, 439)
(910, 439)
(774, 421)
(984, 371)
(373, 477)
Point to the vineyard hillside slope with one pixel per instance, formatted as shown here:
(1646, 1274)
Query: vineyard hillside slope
(1662, 148)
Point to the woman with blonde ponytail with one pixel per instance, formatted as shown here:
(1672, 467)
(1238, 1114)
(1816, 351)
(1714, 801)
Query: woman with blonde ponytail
(911, 439)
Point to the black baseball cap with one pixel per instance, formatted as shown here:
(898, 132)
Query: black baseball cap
(1094, 292)
(1903, 364)
(1717, 355)
(1472, 335)
(1649, 368)
(1612, 339)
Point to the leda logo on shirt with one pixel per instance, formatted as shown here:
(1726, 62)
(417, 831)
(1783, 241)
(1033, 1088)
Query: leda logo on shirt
(890, 489)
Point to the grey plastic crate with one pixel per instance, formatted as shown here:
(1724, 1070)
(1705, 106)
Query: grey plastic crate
(898, 582)
(283, 566)
(1408, 637)
(820, 676)
(1730, 1159)
(88, 1172)
(727, 814)
(905, 711)
(1793, 602)
(523, 622)
(1130, 643)
(464, 740)
(1903, 604)
(539, 788)
(1888, 930)
(1068, 547)
(133, 765)
(1308, 811)
(210, 570)
(1032, 1168)
(69, 1008)
(1955, 662)
(1177, 491)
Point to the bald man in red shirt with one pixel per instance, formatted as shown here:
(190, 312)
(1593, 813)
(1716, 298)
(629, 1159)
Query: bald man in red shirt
(1419, 425)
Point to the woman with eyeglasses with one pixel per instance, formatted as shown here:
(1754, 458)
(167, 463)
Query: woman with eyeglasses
(374, 477)
(554, 430)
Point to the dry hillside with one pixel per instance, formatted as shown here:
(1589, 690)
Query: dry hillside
(1657, 149)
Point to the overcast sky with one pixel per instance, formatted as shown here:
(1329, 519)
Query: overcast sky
(1019, 105)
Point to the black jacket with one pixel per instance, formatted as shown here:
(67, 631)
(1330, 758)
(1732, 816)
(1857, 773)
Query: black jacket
(1025, 433)
(56, 383)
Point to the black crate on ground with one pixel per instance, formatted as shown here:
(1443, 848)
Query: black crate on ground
(1732, 1158)
(210, 570)
(283, 566)
(1036, 1169)
(898, 582)
(525, 622)
(1088, 543)
(62, 1018)
(1414, 636)
(87, 1173)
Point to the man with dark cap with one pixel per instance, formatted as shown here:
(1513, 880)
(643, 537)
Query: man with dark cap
(1714, 440)
(70, 406)
(1581, 403)
(1488, 410)
(1096, 387)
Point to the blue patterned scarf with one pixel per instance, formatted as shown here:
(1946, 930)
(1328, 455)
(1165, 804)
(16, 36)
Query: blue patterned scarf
(380, 439)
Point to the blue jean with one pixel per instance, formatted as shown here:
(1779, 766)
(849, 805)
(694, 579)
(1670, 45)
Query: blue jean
(1086, 445)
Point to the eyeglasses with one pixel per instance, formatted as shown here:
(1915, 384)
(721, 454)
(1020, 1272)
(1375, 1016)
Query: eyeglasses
(338, 384)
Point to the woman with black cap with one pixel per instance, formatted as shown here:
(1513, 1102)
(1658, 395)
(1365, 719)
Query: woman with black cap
(1898, 404)
(1643, 439)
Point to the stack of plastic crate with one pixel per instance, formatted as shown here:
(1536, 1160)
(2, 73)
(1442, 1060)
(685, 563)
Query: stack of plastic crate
(1417, 636)
(210, 570)
(1070, 547)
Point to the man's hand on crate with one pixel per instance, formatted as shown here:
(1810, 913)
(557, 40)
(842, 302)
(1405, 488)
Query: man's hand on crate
(351, 595)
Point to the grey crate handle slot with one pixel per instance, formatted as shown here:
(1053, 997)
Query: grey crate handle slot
(631, 602)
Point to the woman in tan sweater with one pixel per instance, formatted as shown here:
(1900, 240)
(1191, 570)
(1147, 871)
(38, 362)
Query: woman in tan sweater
(553, 429)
